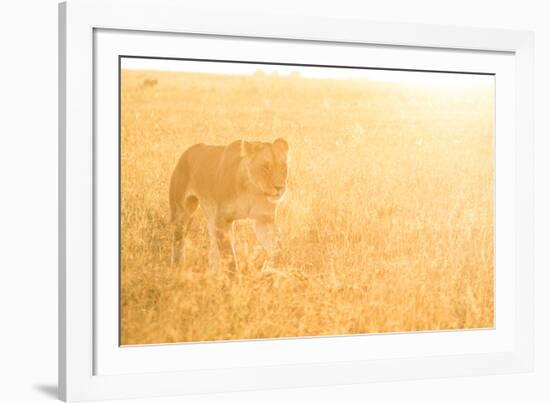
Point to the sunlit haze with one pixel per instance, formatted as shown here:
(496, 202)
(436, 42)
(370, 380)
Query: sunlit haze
(421, 77)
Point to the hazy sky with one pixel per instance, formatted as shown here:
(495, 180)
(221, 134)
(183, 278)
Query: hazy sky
(313, 72)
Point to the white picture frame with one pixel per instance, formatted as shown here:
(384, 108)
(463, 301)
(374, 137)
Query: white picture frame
(79, 167)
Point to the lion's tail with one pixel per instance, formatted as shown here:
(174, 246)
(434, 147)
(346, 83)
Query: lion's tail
(178, 183)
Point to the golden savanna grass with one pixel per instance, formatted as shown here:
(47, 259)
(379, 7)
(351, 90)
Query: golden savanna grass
(387, 225)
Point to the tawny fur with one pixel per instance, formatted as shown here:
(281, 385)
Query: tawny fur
(243, 180)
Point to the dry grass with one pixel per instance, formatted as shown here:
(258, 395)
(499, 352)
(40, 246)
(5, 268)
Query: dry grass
(387, 225)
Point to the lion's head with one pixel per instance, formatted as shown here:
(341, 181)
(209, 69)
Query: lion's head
(267, 166)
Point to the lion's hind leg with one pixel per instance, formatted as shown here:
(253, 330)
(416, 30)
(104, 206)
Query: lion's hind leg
(181, 219)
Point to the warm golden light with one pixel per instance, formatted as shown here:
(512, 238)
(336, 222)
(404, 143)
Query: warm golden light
(386, 225)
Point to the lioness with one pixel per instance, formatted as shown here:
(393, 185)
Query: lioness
(234, 182)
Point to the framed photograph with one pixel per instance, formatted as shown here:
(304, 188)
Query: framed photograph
(255, 201)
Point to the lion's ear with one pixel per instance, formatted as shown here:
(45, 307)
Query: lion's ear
(281, 145)
(249, 148)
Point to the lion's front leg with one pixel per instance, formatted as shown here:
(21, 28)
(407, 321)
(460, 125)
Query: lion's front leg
(222, 253)
(266, 233)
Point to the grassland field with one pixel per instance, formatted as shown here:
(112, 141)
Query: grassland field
(387, 225)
